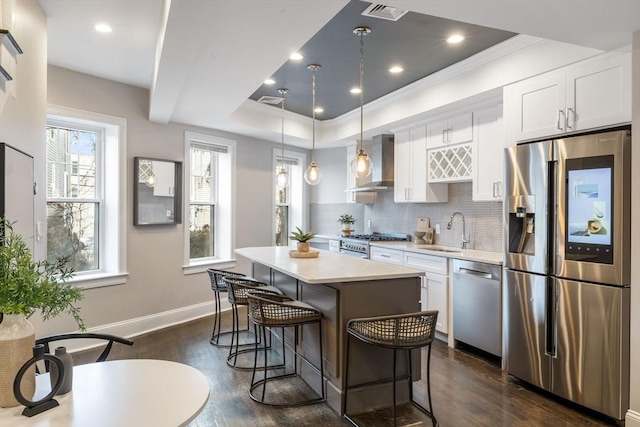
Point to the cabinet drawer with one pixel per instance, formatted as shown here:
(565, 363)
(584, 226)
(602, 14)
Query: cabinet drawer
(390, 256)
(428, 263)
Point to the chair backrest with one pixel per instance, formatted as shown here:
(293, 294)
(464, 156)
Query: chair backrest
(410, 330)
(217, 284)
(237, 288)
(104, 337)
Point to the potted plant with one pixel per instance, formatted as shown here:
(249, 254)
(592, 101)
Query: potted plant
(27, 286)
(346, 220)
(302, 238)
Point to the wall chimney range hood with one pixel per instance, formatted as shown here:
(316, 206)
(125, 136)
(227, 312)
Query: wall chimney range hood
(382, 155)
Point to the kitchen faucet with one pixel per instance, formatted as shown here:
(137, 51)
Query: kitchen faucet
(465, 240)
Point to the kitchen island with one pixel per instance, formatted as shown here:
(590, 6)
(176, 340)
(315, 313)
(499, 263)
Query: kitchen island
(343, 287)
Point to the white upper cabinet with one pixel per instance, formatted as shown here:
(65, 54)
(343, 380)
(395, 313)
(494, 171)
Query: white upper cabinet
(454, 130)
(410, 170)
(488, 159)
(591, 94)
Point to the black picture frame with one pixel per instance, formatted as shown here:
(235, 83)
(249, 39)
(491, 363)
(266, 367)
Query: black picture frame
(157, 191)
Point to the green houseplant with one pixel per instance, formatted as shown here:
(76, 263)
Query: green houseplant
(346, 220)
(27, 286)
(302, 238)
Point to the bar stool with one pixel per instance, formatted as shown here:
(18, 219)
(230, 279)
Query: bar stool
(237, 288)
(398, 332)
(218, 286)
(279, 311)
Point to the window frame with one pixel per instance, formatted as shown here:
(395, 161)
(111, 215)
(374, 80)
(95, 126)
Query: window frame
(297, 192)
(112, 262)
(224, 225)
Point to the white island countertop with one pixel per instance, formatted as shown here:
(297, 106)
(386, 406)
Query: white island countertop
(445, 251)
(328, 267)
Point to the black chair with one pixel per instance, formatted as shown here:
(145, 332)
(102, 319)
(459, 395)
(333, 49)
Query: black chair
(45, 341)
(267, 311)
(237, 288)
(397, 332)
(219, 286)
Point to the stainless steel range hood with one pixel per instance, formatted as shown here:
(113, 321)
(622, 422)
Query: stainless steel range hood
(382, 156)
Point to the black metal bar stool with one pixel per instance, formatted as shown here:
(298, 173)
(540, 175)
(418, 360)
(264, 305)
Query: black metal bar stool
(218, 286)
(398, 332)
(279, 311)
(237, 288)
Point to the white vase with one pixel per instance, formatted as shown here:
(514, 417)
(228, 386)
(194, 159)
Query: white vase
(17, 338)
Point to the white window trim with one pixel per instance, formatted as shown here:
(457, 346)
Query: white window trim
(114, 264)
(227, 260)
(297, 214)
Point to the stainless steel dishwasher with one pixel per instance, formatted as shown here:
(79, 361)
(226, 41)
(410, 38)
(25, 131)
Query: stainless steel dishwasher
(477, 305)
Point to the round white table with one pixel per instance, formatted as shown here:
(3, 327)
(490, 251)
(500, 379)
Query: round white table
(120, 393)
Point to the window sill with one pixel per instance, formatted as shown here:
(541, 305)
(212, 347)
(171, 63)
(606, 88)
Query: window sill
(196, 267)
(99, 280)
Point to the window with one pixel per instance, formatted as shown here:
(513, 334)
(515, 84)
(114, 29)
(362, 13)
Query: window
(288, 210)
(209, 210)
(85, 202)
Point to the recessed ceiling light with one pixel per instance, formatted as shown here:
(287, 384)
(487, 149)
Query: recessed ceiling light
(456, 38)
(396, 69)
(102, 28)
(319, 110)
(269, 81)
(295, 56)
(355, 90)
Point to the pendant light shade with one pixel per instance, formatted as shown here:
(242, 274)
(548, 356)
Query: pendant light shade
(313, 174)
(361, 165)
(282, 179)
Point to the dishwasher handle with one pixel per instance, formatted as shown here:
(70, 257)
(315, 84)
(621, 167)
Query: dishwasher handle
(476, 273)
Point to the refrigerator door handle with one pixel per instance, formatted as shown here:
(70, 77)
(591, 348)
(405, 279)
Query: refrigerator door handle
(551, 331)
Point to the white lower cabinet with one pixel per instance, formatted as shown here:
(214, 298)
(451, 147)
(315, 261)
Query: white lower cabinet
(434, 292)
(390, 256)
(435, 285)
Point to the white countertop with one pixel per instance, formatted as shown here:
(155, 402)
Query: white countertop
(457, 253)
(328, 267)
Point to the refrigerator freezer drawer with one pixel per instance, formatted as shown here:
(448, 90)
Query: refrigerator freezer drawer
(526, 302)
(592, 363)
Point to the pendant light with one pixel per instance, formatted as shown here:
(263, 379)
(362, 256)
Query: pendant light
(313, 173)
(282, 179)
(361, 165)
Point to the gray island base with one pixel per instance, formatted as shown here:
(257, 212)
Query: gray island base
(344, 287)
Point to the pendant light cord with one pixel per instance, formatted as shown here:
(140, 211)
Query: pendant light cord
(313, 114)
(361, 88)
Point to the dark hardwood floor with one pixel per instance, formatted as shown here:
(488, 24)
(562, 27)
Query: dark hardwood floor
(467, 390)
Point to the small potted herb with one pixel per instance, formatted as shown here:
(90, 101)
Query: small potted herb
(346, 220)
(302, 238)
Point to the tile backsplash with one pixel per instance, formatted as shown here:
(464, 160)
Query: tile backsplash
(483, 219)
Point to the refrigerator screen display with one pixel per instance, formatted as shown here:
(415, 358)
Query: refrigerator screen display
(589, 202)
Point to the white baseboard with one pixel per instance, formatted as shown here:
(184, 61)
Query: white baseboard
(142, 325)
(632, 419)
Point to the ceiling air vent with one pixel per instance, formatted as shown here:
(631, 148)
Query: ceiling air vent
(271, 100)
(384, 12)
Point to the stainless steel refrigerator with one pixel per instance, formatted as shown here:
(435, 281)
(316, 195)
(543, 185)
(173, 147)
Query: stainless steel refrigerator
(567, 267)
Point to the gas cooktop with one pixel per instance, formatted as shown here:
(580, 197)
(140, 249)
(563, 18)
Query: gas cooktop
(377, 237)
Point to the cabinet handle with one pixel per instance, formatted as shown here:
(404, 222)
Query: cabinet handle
(444, 139)
(559, 126)
(570, 122)
(499, 187)
(493, 189)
